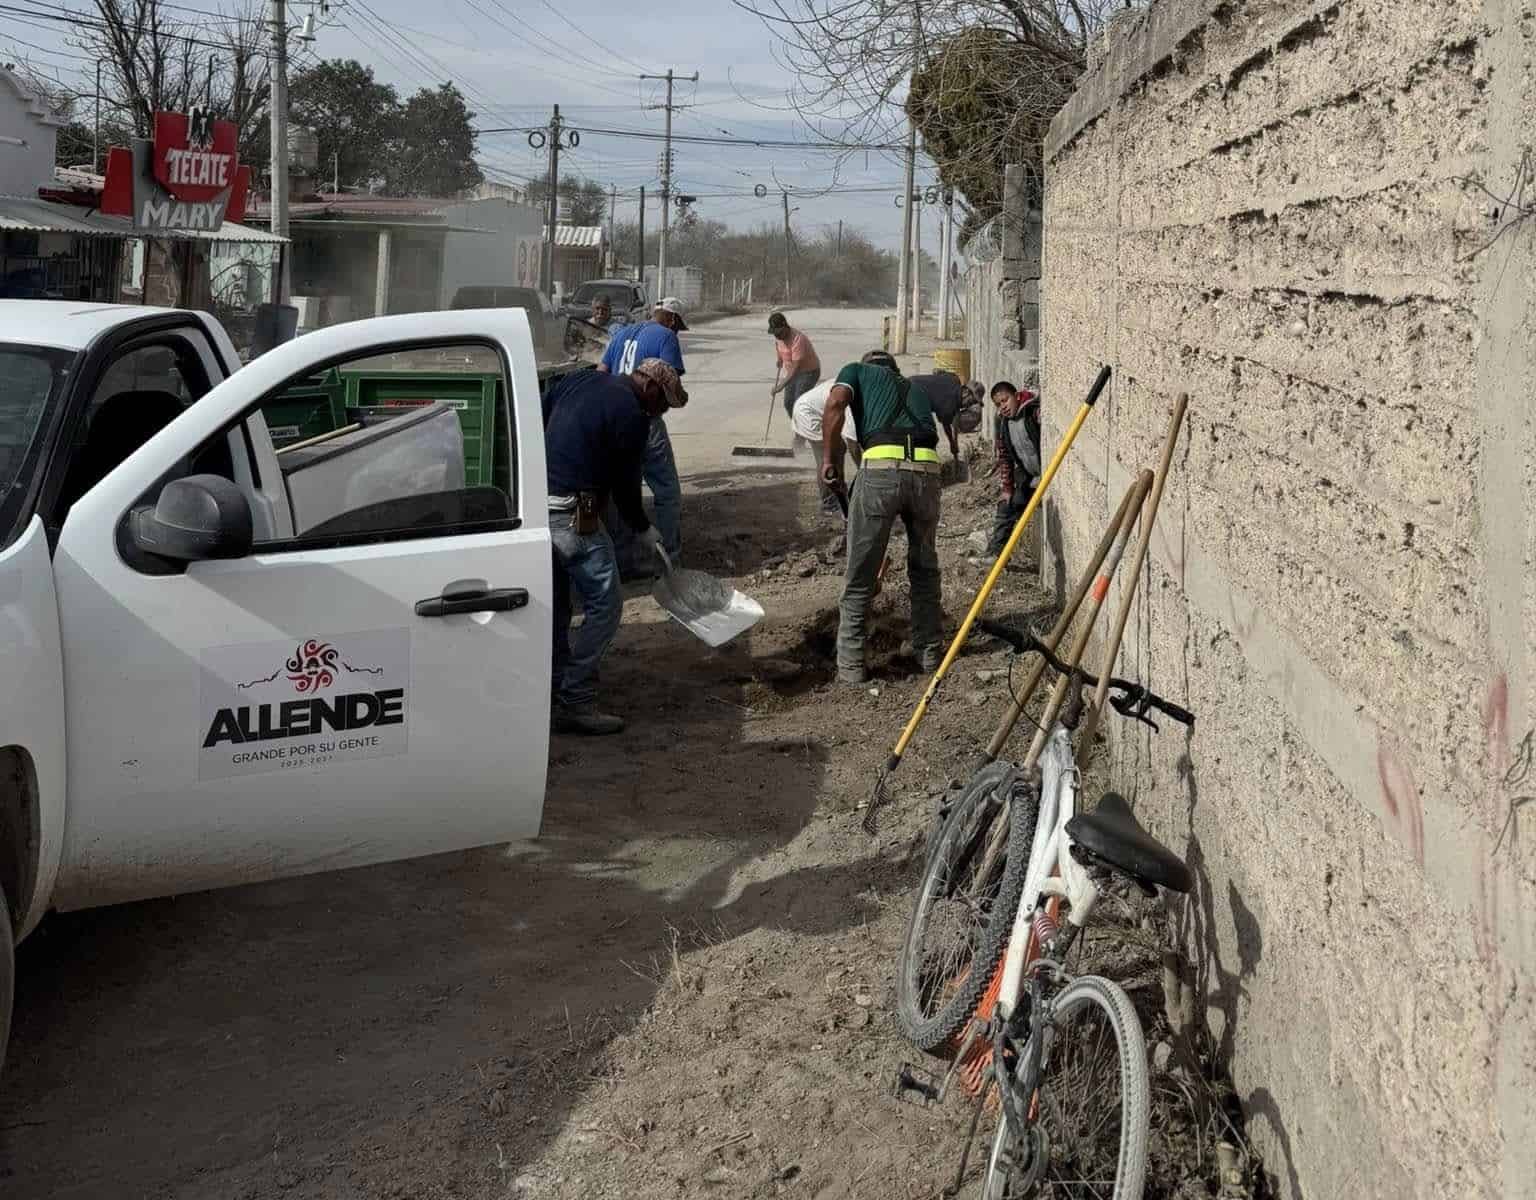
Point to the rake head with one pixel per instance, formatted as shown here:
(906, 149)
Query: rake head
(878, 799)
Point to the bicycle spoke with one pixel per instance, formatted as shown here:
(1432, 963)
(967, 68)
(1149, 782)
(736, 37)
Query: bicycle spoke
(1081, 1093)
(957, 919)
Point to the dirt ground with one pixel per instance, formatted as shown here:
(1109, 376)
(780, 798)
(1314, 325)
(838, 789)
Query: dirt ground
(682, 989)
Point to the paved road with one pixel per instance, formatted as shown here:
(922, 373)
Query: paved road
(730, 373)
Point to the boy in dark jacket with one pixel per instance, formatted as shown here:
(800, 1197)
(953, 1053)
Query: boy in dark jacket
(1016, 438)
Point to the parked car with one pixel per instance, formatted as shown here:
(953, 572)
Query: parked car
(551, 327)
(266, 620)
(627, 299)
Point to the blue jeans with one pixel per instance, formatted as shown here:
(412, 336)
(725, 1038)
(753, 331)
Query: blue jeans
(799, 383)
(584, 565)
(660, 475)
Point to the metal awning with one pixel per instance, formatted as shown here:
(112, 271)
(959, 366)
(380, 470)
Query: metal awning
(348, 225)
(23, 214)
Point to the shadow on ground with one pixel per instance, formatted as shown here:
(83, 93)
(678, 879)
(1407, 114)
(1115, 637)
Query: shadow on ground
(420, 1029)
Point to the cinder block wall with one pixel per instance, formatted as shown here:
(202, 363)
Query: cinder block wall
(1276, 207)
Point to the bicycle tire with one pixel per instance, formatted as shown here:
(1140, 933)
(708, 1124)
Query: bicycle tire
(927, 1020)
(1109, 999)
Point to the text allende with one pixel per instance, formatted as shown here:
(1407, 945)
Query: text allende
(298, 718)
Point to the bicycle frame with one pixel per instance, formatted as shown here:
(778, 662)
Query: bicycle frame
(1052, 869)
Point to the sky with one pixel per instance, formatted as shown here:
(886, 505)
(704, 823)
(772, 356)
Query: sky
(514, 59)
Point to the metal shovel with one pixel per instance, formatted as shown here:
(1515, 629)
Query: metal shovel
(709, 608)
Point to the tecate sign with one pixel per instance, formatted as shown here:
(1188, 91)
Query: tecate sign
(188, 177)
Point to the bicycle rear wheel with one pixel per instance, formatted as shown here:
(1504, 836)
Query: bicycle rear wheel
(1092, 1105)
(960, 921)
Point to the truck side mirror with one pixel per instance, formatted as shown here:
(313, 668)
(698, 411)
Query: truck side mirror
(201, 516)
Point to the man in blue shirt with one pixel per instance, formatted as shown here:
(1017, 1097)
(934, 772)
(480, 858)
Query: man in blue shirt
(630, 344)
(596, 428)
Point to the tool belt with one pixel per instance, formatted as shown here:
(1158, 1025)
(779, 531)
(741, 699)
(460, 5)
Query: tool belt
(587, 507)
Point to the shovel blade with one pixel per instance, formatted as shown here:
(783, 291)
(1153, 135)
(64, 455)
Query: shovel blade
(710, 609)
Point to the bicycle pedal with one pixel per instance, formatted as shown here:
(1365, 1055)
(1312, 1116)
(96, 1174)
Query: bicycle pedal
(915, 1086)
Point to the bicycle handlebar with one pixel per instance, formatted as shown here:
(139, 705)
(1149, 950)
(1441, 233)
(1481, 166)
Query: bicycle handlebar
(1134, 700)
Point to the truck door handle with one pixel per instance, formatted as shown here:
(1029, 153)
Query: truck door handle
(476, 600)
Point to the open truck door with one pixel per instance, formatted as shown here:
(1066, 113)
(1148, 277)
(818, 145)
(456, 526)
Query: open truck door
(267, 679)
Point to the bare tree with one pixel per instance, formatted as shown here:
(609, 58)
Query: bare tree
(153, 62)
(982, 78)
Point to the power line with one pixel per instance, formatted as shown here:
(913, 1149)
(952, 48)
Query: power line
(550, 46)
(705, 139)
(583, 33)
(70, 17)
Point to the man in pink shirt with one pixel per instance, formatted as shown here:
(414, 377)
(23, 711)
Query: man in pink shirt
(798, 368)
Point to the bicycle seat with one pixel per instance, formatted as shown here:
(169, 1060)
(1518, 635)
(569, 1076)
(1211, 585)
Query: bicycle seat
(1112, 834)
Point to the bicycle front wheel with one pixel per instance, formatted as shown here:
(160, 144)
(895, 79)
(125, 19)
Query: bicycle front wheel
(964, 909)
(1091, 1102)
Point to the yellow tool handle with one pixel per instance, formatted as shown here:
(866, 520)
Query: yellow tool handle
(996, 572)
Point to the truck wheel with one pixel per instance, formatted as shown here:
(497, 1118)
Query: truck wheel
(7, 976)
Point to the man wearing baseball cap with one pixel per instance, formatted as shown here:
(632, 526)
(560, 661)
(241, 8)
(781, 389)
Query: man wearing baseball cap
(596, 427)
(632, 344)
(797, 368)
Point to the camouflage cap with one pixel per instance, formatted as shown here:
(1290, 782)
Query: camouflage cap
(667, 378)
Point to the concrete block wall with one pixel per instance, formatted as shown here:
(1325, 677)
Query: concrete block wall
(1278, 207)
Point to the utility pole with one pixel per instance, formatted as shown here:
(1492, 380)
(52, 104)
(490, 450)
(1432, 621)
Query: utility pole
(899, 342)
(839, 241)
(640, 249)
(335, 172)
(917, 265)
(903, 269)
(279, 104)
(96, 132)
(947, 222)
(787, 245)
(551, 208)
(671, 77)
(613, 220)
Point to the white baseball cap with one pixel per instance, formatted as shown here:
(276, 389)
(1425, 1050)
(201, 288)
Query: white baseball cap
(674, 306)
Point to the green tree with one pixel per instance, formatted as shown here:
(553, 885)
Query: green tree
(355, 117)
(585, 200)
(436, 151)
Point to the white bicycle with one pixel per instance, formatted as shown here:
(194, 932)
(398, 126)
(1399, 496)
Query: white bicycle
(1067, 1053)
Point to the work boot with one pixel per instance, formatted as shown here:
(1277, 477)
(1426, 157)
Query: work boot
(583, 720)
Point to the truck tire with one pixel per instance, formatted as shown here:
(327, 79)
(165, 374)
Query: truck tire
(7, 976)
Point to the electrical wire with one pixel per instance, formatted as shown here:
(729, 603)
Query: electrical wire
(70, 17)
(551, 47)
(583, 33)
(699, 139)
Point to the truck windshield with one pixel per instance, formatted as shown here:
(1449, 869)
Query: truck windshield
(618, 294)
(32, 379)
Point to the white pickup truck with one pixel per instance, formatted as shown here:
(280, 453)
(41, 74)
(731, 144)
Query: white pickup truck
(217, 669)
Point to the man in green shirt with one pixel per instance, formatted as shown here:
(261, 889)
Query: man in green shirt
(898, 477)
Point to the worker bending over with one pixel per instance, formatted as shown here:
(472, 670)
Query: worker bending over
(806, 422)
(898, 477)
(629, 345)
(596, 428)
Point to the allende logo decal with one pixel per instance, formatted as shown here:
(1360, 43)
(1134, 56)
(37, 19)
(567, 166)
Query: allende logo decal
(311, 666)
(274, 706)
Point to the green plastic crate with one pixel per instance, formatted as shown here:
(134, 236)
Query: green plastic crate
(478, 398)
(307, 410)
